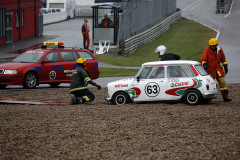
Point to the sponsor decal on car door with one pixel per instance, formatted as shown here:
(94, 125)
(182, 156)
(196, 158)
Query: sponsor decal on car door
(51, 71)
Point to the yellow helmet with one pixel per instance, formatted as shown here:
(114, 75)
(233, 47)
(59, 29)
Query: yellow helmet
(81, 60)
(213, 42)
(85, 20)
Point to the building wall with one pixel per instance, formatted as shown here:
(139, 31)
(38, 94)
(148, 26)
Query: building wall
(24, 18)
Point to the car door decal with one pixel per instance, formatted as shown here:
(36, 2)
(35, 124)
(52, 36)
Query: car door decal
(52, 75)
(58, 67)
(133, 92)
(179, 91)
(152, 89)
(37, 68)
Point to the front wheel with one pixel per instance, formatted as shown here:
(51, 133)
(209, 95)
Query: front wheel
(120, 98)
(192, 97)
(30, 80)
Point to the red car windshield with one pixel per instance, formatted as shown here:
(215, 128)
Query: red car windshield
(28, 57)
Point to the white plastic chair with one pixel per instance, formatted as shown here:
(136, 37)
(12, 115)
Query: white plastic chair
(103, 47)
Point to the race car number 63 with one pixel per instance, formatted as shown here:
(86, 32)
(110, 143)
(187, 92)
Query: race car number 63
(152, 89)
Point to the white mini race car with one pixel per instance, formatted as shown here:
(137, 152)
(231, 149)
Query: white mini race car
(163, 81)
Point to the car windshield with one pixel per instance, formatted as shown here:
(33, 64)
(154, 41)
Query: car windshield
(201, 70)
(145, 72)
(28, 57)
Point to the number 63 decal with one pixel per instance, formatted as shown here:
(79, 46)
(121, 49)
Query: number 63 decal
(152, 89)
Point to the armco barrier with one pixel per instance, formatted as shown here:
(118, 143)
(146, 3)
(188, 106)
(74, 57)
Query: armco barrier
(149, 35)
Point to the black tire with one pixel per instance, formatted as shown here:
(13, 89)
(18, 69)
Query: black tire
(54, 85)
(2, 86)
(120, 98)
(30, 80)
(192, 97)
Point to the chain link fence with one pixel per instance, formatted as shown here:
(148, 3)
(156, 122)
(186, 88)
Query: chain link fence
(139, 18)
(149, 35)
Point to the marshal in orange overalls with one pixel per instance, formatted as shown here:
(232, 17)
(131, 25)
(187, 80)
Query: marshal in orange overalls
(85, 33)
(212, 58)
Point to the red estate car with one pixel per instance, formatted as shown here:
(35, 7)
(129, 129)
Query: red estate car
(46, 65)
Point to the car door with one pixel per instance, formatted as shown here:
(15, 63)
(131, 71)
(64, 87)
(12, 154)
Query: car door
(51, 70)
(180, 78)
(69, 64)
(150, 83)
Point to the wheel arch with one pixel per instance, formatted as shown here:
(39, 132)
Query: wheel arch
(122, 91)
(189, 89)
(185, 93)
(33, 71)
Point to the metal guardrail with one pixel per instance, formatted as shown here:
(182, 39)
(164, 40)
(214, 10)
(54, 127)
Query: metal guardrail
(149, 35)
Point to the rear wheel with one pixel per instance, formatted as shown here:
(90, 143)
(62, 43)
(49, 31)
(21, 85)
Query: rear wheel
(192, 97)
(120, 98)
(3, 86)
(54, 85)
(30, 80)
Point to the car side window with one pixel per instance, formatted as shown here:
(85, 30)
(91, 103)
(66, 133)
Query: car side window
(158, 72)
(52, 57)
(145, 72)
(68, 56)
(179, 71)
(85, 55)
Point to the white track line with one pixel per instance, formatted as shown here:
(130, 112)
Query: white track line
(229, 10)
(191, 5)
(196, 5)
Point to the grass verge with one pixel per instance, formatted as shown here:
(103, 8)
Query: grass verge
(186, 38)
(116, 72)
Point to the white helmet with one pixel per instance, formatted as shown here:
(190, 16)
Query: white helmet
(162, 49)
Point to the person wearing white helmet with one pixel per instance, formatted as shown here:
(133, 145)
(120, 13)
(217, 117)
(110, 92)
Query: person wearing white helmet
(164, 56)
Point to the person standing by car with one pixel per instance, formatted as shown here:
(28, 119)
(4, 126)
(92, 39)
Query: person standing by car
(211, 60)
(79, 82)
(85, 33)
(164, 56)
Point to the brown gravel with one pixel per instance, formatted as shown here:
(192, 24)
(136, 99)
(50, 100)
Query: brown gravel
(99, 130)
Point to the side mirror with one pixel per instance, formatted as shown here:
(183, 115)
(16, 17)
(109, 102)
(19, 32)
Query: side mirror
(45, 61)
(138, 79)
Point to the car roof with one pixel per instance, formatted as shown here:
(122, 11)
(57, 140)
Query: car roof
(46, 50)
(171, 62)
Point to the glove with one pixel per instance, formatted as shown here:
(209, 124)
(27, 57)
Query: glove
(205, 66)
(226, 69)
(99, 87)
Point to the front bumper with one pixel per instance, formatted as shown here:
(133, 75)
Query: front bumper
(11, 79)
(108, 99)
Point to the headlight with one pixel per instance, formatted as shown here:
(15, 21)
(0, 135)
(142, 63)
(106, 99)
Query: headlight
(10, 72)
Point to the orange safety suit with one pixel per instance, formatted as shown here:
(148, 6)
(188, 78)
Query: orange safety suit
(214, 61)
(85, 33)
(215, 69)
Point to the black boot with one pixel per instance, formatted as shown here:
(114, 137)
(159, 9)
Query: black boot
(227, 99)
(225, 96)
(80, 100)
(73, 101)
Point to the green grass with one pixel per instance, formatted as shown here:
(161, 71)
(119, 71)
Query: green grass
(186, 38)
(116, 72)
